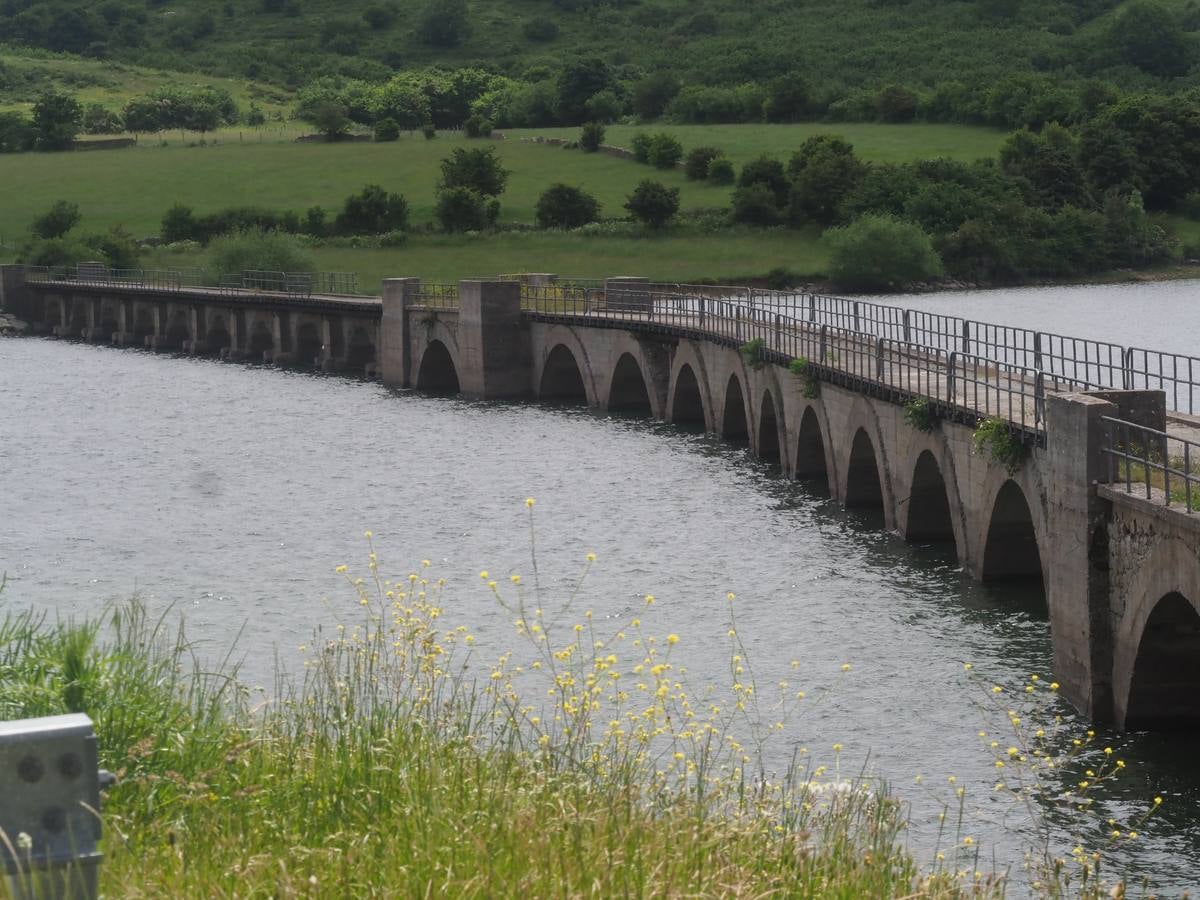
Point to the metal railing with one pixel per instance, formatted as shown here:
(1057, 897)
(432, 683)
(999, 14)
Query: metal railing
(437, 296)
(965, 386)
(1166, 468)
(304, 284)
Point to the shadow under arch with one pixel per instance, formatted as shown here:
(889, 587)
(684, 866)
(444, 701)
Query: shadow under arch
(810, 450)
(768, 430)
(1164, 692)
(437, 374)
(308, 345)
(733, 420)
(562, 380)
(360, 350)
(863, 487)
(218, 337)
(178, 329)
(628, 393)
(687, 404)
(929, 519)
(261, 339)
(1011, 550)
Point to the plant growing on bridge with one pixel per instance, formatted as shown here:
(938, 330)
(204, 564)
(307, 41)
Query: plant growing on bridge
(920, 414)
(752, 352)
(995, 439)
(801, 367)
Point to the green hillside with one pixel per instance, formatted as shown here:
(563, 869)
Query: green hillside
(838, 46)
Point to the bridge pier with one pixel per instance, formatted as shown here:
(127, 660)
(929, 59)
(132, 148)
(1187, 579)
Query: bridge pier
(393, 346)
(493, 341)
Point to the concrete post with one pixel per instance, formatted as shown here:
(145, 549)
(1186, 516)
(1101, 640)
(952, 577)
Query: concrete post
(628, 293)
(493, 344)
(1076, 563)
(392, 347)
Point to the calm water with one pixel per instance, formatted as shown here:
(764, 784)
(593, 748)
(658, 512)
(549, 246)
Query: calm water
(231, 493)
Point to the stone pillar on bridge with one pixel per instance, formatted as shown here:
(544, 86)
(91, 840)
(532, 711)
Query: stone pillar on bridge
(493, 344)
(392, 350)
(1077, 555)
(15, 296)
(628, 293)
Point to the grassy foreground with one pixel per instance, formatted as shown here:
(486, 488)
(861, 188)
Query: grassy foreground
(386, 769)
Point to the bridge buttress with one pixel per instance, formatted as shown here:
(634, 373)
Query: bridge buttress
(393, 347)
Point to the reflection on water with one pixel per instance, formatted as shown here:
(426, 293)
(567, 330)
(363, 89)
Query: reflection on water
(233, 492)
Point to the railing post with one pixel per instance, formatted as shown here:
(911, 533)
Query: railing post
(1039, 398)
(778, 327)
(951, 373)
(907, 328)
(1037, 351)
(879, 359)
(823, 344)
(700, 304)
(812, 308)
(966, 338)
(857, 327)
(1127, 379)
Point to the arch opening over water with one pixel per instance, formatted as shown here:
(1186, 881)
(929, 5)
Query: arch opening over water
(308, 344)
(143, 322)
(863, 487)
(1164, 693)
(628, 393)
(810, 450)
(929, 518)
(217, 337)
(687, 404)
(562, 380)
(178, 329)
(261, 340)
(1011, 551)
(733, 421)
(360, 350)
(437, 374)
(768, 431)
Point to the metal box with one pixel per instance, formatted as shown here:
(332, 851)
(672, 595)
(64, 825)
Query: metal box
(50, 806)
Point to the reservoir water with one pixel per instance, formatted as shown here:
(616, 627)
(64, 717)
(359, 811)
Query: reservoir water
(230, 493)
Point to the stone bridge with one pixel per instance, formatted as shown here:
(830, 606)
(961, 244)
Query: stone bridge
(880, 423)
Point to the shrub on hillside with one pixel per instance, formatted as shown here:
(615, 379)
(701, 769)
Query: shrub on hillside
(698, 159)
(429, 131)
(462, 209)
(665, 151)
(878, 251)
(653, 204)
(372, 211)
(98, 120)
(387, 130)
(540, 30)
(591, 136)
(478, 170)
(56, 221)
(754, 204)
(477, 126)
(640, 145)
(255, 249)
(563, 206)
(720, 170)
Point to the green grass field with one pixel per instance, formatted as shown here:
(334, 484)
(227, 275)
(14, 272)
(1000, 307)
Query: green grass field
(879, 143)
(134, 187)
(734, 257)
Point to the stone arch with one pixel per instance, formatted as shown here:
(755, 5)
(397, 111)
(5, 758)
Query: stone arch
(562, 379)
(437, 373)
(1170, 570)
(864, 483)
(628, 391)
(690, 398)
(734, 419)
(261, 339)
(687, 402)
(562, 335)
(177, 328)
(812, 459)
(143, 321)
(217, 337)
(308, 343)
(1164, 682)
(770, 430)
(360, 350)
(929, 518)
(1011, 549)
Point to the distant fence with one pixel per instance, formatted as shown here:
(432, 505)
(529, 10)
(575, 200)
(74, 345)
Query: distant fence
(299, 284)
